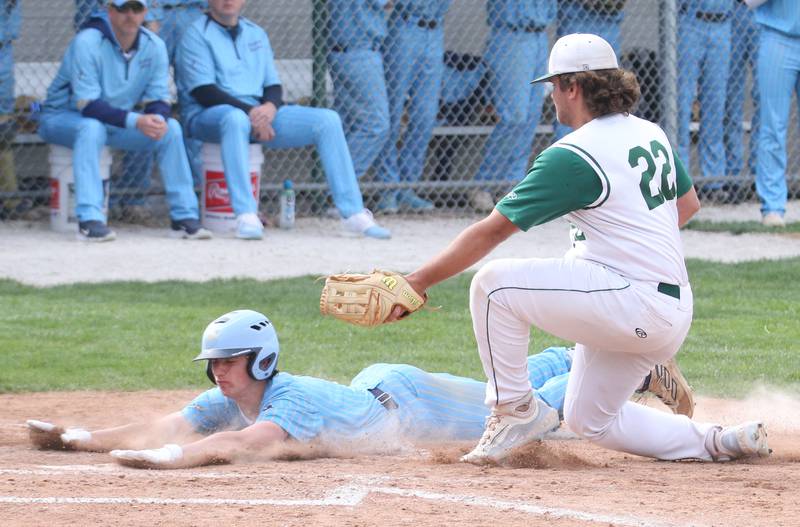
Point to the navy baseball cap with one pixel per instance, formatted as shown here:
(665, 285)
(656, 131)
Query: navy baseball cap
(120, 3)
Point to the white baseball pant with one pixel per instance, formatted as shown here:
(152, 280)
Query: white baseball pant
(622, 329)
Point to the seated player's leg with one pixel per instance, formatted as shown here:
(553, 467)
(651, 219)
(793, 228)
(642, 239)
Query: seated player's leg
(298, 126)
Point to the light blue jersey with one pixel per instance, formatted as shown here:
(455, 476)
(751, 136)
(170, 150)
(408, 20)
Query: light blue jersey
(357, 24)
(95, 68)
(780, 15)
(239, 61)
(520, 14)
(10, 21)
(425, 9)
(716, 7)
(429, 405)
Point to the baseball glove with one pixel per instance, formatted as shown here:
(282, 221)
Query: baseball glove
(367, 299)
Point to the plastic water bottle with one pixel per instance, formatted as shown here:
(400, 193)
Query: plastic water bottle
(286, 219)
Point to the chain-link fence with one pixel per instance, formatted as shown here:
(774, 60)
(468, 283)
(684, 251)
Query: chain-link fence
(434, 96)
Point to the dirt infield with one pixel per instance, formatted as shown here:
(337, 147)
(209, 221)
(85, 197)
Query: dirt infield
(561, 482)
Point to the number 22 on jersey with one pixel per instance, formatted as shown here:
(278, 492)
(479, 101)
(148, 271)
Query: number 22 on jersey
(658, 178)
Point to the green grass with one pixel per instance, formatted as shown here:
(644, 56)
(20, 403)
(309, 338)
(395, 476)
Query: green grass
(741, 227)
(131, 336)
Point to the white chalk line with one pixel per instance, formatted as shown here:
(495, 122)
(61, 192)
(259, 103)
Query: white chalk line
(115, 470)
(351, 496)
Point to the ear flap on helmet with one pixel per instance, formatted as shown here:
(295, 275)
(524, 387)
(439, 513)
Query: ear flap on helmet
(210, 373)
(262, 366)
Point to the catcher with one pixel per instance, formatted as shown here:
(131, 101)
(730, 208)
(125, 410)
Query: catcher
(254, 406)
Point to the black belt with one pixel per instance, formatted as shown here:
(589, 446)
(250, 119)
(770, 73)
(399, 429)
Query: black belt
(384, 398)
(530, 28)
(170, 7)
(708, 17)
(711, 17)
(425, 24)
(338, 48)
(670, 290)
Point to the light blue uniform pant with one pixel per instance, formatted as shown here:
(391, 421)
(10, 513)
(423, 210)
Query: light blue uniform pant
(360, 98)
(744, 50)
(414, 69)
(441, 406)
(778, 79)
(575, 18)
(295, 126)
(87, 137)
(515, 59)
(7, 79)
(703, 58)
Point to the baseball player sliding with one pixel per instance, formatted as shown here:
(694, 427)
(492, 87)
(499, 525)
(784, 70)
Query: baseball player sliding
(253, 406)
(622, 292)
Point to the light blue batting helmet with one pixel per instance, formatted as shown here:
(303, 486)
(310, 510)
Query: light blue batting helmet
(242, 332)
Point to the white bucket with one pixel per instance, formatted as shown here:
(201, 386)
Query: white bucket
(216, 210)
(62, 187)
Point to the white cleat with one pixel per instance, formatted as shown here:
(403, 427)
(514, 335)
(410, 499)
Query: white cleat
(740, 441)
(504, 433)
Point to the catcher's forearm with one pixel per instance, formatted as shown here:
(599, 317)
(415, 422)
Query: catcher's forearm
(469, 247)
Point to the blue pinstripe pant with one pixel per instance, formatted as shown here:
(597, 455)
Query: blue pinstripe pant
(778, 79)
(704, 58)
(744, 50)
(414, 68)
(515, 58)
(361, 101)
(441, 406)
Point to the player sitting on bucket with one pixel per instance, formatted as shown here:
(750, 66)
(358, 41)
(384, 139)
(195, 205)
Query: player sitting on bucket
(254, 406)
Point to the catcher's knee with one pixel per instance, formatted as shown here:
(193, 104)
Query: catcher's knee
(583, 426)
(487, 279)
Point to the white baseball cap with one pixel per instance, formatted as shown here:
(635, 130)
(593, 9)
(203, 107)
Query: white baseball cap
(120, 3)
(579, 52)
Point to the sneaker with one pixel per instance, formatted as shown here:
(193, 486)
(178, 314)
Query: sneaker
(95, 231)
(362, 223)
(741, 441)
(408, 200)
(773, 219)
(189, 229)
(249, 227)
(388, 204)
(666, 382)
(481, 200)
(504, 433)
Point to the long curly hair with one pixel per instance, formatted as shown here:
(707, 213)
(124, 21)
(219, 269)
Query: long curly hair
(605, 91)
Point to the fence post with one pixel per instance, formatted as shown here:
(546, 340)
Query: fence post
(319, 69)
(668, 24)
